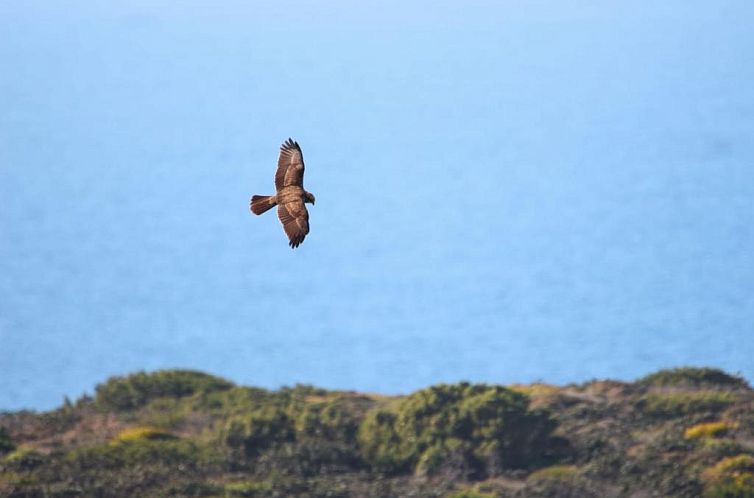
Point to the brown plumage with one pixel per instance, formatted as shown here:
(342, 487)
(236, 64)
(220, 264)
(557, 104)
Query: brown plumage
(290, 197)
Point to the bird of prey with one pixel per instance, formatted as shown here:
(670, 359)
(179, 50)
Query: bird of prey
(290, 197)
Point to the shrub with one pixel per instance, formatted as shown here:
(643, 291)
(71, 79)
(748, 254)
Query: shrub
(727, 466)
(142, 452)
(15, 484)
(141, 433)
(555, 472)
(23, 459)
(166, 413)
(297, 432)
(247, 489)
(678, 404)
(478, 428)
(233, 401)
(332, 420)
(536, 389)
(732, 477)
(6, 445)
(716, 449)
(307, 459)
(136, 390)
(739, 486)
(260, 430)
(708, 430)
(694, 377)
(470, 493)
(190, 488)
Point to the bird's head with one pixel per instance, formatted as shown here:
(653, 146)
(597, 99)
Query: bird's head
(309, 197)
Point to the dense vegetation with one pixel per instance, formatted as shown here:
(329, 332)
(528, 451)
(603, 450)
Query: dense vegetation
(676, 433)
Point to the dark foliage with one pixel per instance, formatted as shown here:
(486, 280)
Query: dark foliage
(680, 433)
(136, 390)
(6, 445)
(694, 377)
(473, 430)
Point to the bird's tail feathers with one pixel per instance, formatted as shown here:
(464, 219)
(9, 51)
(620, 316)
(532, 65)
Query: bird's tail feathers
(262, 203)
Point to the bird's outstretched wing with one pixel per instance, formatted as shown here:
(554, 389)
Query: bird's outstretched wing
(290, 166)
(295, 220)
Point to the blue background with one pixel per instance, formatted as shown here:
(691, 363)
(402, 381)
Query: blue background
(507, 191)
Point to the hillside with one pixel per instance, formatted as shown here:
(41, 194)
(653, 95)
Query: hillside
(676, 433)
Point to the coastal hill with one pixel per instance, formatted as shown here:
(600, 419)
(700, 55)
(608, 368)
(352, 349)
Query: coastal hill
(686, 432)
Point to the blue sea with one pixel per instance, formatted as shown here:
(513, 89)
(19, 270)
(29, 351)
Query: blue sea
(507, 191)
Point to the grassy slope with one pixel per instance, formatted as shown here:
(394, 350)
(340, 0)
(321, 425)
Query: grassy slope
(683, 432)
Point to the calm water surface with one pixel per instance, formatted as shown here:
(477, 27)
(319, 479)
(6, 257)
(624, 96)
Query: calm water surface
(506, 192)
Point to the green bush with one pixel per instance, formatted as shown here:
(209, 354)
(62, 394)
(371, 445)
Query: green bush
(740, 486)
(6, 445)
(248, 489)
(307, 459)
(260, 430)
(297, 432)
(694, 377)
(679, 404)
(190, 435)
(470, 493)
(731, 477)
(142, 452)
(23, 459)
(140, 433)
(190, 488)
(471, 428)
(136, 390)
(713, 450)
(332, 420)
(233, 401)
(709, 430)
(556, 472)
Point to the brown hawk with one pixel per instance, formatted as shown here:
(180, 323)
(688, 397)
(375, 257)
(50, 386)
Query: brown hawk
(290, 197)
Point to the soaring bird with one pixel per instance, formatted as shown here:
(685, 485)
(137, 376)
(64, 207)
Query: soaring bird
(290, 197)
